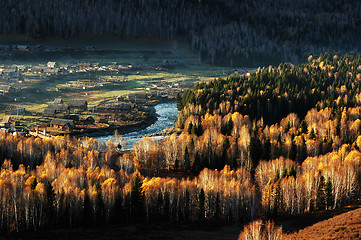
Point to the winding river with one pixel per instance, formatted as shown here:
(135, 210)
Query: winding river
(166, 114)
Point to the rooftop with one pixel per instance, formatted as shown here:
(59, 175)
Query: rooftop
(60, 121)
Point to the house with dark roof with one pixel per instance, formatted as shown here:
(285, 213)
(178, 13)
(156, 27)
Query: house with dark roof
(59, 108)
(76, 104)
(74, 117)
(67, 127)
(62, 124)
(89, 120)
(49, 112)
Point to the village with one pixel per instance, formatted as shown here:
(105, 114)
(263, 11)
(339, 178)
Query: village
(82, 76)
(59, 95)
(74, 117)
(78, 116)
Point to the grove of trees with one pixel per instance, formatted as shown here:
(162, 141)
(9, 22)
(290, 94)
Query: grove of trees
(225, 164)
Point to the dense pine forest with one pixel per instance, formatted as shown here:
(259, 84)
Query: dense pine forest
(229, 162)
(224, 32)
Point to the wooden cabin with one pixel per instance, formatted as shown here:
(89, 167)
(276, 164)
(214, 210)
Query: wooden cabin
(80, 105)
(62, 124)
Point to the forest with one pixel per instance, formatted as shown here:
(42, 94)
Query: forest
(229, 164)
(231, 32)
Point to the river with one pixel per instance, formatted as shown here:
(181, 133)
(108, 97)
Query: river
(166, 114)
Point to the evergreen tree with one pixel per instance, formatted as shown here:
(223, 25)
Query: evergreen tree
(49, 203)
(33, 184)
(166, 206)
(199, 130)
(137, 199)
(99, 205)
(176, 165)
(292, 153)
(277, 199)
(201, 206)
(186, 161)
(321, 195)
(117, 212)
(255, 150)
(88, 213)
(218, 212)
(196, 164)
(187, 201)
(224, 157)
(190, 128)
(179, 102)
(229, 127)
(303, 151)
(266, 150)
(329, 196)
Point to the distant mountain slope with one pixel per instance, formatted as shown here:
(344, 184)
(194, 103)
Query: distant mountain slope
(343, 226)
(228, 32)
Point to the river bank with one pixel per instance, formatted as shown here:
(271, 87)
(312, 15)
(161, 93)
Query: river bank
(98, 133)
(166, 114)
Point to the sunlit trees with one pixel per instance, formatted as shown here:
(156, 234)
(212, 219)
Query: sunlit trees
(257, 230)
(234, 170)
(110, 189)
(149, 155)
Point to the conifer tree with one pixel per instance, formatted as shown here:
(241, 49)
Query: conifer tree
(329, 196)
(201, 206)
(321, 195)
(137, 199)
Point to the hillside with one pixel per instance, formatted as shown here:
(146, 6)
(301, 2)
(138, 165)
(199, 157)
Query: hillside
(243, 164)
(343, 226)
(223, 32)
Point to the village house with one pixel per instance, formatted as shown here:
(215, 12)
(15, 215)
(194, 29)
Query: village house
(74, 117)
(79, 105)
(62, 124)
(59, 108)
(51, 64)
(49, 112)
(55, 108)
(89, 120)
